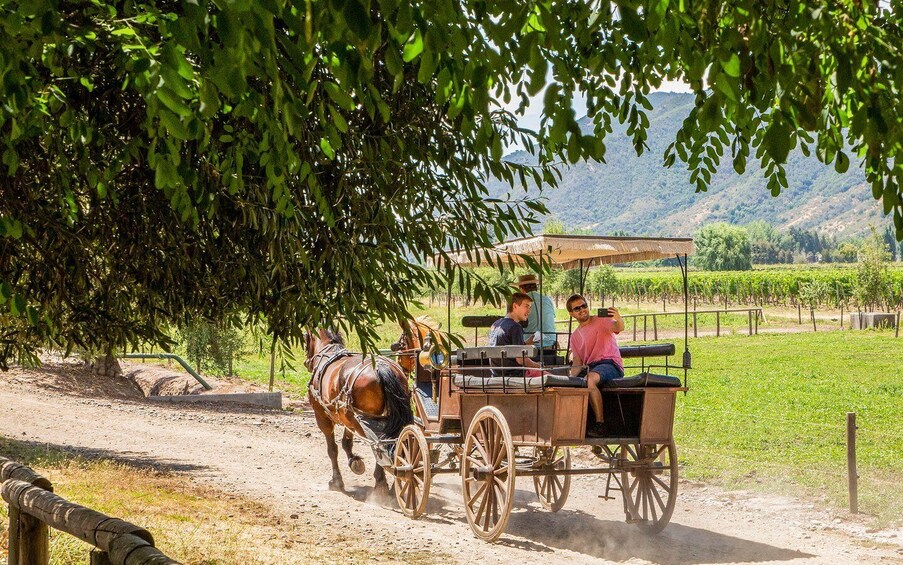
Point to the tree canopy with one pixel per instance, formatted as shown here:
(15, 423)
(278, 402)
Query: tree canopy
(298, 162)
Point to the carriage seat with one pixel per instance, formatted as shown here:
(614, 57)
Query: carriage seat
(516, 383)
(643, 380)
(651, 350)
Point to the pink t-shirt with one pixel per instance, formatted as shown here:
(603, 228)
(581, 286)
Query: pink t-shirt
(596, 341)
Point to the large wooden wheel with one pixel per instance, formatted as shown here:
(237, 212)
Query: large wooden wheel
(487, 474)
(412, 471)
(551, 489)
(649, 484)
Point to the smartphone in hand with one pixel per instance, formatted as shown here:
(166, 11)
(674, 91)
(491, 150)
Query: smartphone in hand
(604, 313)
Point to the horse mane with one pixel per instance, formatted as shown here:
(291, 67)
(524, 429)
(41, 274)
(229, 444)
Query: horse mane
(334, 336)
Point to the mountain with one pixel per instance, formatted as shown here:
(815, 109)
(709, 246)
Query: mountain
(640, 196)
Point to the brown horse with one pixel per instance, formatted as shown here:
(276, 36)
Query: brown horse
(354, 391)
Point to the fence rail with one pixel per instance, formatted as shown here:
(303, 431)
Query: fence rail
(34, 508)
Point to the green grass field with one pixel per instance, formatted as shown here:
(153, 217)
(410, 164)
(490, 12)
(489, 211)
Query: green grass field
(769, 412)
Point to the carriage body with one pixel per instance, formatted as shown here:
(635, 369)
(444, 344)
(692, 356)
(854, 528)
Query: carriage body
(495, 428)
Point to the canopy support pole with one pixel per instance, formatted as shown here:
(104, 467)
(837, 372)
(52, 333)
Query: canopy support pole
(542, 336)
(687, 360)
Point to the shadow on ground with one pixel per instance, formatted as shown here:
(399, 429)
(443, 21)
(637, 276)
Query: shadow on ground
(37, 454)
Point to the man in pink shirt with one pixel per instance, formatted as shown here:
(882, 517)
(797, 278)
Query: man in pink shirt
(595, 348)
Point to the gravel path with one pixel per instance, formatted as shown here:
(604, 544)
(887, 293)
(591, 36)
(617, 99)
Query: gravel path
(280, 458)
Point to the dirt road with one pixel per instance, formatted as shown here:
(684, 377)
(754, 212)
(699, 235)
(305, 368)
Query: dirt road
(280, 458)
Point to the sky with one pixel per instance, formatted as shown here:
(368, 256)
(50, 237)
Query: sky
(531, 117)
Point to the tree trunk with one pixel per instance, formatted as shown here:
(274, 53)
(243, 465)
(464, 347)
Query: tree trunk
(106, 366)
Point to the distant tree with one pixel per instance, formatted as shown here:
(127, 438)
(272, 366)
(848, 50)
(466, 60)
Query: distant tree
(553, 226)
(871, 289)
(891, 242)
(602, 282)
(723, 247)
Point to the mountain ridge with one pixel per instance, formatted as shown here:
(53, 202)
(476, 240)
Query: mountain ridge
(637, 194)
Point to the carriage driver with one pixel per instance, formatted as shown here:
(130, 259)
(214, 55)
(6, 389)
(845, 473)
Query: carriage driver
(595, 348)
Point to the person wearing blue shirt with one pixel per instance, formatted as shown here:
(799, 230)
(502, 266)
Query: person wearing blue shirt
(528, 284)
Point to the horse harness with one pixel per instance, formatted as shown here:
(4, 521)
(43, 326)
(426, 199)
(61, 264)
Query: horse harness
(343, 400)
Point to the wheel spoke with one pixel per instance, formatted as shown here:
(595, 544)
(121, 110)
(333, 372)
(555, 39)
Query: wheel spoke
(478, 492)
(658, 480)
(658, 498)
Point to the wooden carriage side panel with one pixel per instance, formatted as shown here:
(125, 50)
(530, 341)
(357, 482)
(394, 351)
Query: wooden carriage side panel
(521, 412)
(449, 406)
(658, 415)
(569, 415)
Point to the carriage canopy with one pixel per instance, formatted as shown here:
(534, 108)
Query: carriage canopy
(569, 250)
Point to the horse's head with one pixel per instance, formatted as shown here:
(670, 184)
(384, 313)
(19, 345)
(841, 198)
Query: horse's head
(315, 341)
(414, 334)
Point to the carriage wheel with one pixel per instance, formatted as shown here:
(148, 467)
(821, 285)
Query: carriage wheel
(412, 471)
(552, 490)
(649, 484)
(487, 474)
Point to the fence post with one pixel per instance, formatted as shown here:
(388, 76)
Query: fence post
(897, 331)
(717, 323)
(655, 327)
(799, 313)
(695, 326)
(634, 328)
(852, 475)
(644, 327)
(749, 317)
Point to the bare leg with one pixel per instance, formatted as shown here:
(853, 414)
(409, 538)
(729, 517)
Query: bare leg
(354, 462)
(595, 396)
(327, 427)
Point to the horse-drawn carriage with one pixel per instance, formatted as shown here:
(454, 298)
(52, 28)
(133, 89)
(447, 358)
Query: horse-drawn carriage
(491, 429)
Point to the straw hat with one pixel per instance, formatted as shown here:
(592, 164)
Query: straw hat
(524, 280)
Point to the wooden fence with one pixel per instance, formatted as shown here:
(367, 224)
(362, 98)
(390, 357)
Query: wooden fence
(753, 315)
(34, 508)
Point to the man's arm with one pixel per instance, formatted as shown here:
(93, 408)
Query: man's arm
(576, 365)
(616, 317)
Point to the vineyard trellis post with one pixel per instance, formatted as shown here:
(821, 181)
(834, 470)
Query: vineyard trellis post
(852, 475)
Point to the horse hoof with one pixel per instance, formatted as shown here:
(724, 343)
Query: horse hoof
(357, 466)
(337, 486)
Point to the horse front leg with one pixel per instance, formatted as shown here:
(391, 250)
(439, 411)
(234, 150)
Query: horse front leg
(354, 462)
(328, 428)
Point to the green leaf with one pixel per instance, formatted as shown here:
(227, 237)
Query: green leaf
(732, 66)
(357, 18)
(17, 305)
(779, 140)
(841, 163)
(173, 102)
(327, 148)
(413, 47)
(32, 314)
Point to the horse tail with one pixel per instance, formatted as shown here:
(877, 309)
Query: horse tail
(396, 399)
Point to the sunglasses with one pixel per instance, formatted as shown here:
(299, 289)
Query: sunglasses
(579, 308)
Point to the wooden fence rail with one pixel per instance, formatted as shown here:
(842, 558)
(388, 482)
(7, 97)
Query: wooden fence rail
(33, 507)
(753, 314)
